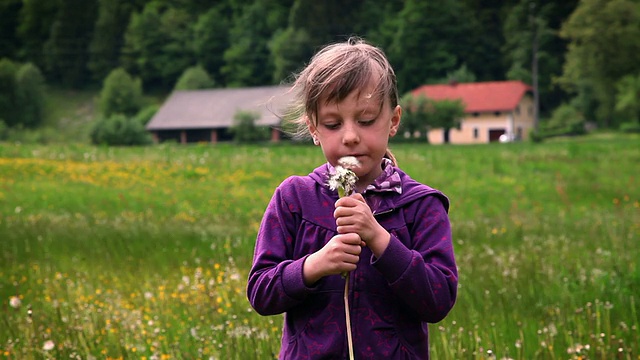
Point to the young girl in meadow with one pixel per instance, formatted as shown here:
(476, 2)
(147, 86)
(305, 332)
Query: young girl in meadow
(392, 235)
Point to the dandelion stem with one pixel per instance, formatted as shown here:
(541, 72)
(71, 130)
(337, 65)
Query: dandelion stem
(348, 316)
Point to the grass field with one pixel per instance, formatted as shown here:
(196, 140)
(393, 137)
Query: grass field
(128, 253)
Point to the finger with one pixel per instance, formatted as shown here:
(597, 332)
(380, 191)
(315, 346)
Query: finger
(350, 239)
(343, 211)
(358, 196)
(348, 201)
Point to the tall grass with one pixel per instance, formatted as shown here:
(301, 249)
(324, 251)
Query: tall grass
(144, 252)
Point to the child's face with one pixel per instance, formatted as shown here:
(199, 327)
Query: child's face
(357, 126)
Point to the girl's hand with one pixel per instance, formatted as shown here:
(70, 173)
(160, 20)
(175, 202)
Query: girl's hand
(353, 215)
(339, 255)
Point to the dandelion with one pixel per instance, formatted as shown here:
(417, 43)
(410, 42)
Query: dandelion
(15, 302)
(48, 345)
(344, 180)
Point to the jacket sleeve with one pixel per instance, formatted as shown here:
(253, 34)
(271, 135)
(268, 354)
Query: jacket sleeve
(424, 275)
(275, 281)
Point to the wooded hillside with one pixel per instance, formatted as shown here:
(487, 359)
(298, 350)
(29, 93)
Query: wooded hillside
(582, 51)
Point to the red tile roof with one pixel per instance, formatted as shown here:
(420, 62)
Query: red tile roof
(479, 97)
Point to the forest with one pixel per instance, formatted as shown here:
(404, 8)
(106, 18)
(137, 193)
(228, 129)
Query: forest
(583, 55)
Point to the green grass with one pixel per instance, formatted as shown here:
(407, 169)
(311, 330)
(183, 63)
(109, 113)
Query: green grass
(143, 252)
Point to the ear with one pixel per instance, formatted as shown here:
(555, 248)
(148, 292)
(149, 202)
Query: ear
(312, 128)
(395, 121)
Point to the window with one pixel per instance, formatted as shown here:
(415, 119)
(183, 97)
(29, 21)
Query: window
(475, 133)
(518, 110)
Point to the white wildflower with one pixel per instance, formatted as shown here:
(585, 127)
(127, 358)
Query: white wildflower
(344, 180)
(48, 345)
(15, 302)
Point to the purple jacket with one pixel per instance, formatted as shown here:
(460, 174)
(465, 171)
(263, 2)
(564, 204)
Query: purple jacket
(392, 298)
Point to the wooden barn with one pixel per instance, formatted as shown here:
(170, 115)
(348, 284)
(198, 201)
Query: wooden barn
(207, 115)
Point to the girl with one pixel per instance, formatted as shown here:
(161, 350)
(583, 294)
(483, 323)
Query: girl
(393, 234)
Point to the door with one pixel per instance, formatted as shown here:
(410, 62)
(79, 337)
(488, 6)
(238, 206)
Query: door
(494, 134)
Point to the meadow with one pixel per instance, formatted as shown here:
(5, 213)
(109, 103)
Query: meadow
(143, 253)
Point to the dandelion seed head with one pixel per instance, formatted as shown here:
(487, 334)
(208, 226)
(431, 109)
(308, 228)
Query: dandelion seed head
(15, 302)
(48, 345)
(344, 178)
(349, 162)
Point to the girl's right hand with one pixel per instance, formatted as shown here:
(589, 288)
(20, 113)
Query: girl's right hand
(339, 255)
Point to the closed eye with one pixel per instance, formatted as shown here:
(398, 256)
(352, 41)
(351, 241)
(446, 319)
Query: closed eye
(367, 122)
(331, 126)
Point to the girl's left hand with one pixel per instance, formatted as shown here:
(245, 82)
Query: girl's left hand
(353, 215)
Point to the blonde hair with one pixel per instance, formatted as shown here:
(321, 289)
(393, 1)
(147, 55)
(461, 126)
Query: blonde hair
(335, 72)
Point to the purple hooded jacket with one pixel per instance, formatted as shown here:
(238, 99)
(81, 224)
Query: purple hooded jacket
(392, 298)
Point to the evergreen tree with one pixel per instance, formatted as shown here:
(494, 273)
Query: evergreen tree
(66, 50)
(211, 39)
(426, 47)
(289, 48)
(158, 44)
(9, 41)
(36, 18)
(247, 60)
(108, 36)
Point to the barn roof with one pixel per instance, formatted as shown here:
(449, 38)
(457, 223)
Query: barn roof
(480, 96)
(215, 108)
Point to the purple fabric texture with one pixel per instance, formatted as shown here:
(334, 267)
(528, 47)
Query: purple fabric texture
(392, 297)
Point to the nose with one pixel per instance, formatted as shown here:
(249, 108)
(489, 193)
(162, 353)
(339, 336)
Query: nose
(350, 135)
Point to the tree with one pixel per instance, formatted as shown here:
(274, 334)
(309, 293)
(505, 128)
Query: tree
(290, 48)
(414, 115)
(36, 18)
(9, 98)
(31, 95)
(425, 48)
(461, 75)
(66, 50)
(9, 41)
(628, 98)
(194, 78)
(533, 50)
(158, 44)
(211, 39)
(446, 114)
(108, 36)
(247, 60)
(121, 94)
(604, 47)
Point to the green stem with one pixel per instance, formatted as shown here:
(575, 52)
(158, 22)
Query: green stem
(348, 316)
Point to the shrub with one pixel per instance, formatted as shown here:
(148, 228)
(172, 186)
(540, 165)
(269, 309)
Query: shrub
(194, 78)
(9, 99)
(31, 95)
(244, 127)
(630, 127)
(144, 116)
(565, 120)
(121, 94)
(119, 130)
